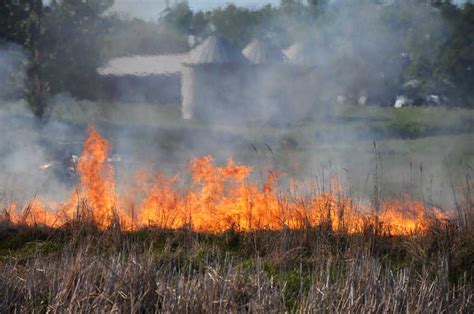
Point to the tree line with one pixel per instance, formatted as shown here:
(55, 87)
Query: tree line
(427, 42)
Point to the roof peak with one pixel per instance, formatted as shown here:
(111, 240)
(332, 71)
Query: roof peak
(215, 50)
(261, 51)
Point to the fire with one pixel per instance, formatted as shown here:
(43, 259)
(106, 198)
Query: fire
(35, 213)
(97, 178)
(214, 199)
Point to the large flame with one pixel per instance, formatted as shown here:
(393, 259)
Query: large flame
(97, 175)
(216, 199)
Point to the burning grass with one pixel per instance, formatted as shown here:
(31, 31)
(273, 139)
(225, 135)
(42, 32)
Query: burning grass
(213, 240)
(211, 198)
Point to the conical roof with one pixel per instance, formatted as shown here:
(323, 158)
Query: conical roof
(262, 52)
(301, 54)
(215, 50)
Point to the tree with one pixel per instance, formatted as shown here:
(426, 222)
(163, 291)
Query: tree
(37, 86)
(237, 24)
(199, 24)
(72, 35)
(22, 22)
(61, 41)
(317, 7)
(179, 17)
(455, 61)
(128, 37)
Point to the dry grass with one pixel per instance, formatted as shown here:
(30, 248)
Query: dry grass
(80, 268)
(151, 270)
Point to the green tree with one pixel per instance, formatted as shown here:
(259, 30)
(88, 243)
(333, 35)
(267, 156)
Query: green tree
(22, 22)
(318, 5)
(180, 17)
(293, 7)
(456, 59)
(237, 24)
(73, 31)
(138, 37)
(61, 41)
(200, 24)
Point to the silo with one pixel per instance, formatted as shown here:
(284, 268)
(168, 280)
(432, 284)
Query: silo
(207, 81)
(262, 52)
(188, 92)
(306, 81)
(265, 84)
(301, 53)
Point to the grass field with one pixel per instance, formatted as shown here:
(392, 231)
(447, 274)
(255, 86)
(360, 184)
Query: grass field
(81, 267)
(435, 144)
(438, 138)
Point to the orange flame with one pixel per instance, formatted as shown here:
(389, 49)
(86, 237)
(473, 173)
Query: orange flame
(97, 178)
(216, 199)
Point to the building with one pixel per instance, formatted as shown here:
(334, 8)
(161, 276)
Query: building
(149, 79)
(212, 80)
(217, 82)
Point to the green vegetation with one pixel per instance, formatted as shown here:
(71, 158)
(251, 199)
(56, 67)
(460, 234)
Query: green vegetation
(362, 123)
(411, 122)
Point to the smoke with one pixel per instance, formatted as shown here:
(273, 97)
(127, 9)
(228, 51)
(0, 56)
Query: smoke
(32, 161)
(290, 117)
(12, 62)
(147, 10)
(358, 54)
(150, 10)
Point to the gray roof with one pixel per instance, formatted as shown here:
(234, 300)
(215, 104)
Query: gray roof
(144, 65)
(262, 52)
(301, 54)
(215, 50)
